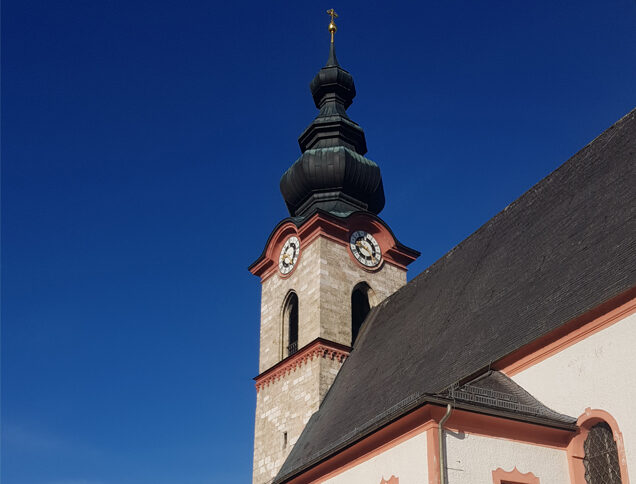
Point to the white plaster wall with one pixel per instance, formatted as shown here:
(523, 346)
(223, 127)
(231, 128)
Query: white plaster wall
(407, 461)
(597, 372)
(472, 458)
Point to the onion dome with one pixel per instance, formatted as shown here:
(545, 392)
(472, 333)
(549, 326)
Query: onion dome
(332, 173)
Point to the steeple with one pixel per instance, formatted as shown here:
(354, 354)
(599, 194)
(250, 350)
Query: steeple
(321, 271)
(332, 174)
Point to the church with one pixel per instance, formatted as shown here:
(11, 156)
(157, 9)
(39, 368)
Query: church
(508, 361)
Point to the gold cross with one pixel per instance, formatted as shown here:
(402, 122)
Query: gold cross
(332, 24)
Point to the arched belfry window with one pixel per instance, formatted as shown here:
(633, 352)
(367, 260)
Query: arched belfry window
(290, 324)
(601, 456)
(360, 307)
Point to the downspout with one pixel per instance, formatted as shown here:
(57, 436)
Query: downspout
(442, 454)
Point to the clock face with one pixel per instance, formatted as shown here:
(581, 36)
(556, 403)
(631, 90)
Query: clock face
(289, 255)
(365, 248)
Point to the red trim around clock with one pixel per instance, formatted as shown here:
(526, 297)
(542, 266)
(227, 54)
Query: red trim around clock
(338, 230)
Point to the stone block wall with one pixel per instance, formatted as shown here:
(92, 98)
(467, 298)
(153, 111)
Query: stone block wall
(305, 281)
(285, 406)
(339, 274)
(323, 280)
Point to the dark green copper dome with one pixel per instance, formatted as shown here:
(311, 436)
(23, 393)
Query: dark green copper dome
(332, 174)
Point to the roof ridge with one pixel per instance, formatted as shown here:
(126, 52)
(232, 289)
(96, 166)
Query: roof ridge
(530, 191)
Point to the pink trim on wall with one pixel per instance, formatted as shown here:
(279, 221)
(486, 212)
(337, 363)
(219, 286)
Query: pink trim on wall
(499, 476)
(319, 348)
(394, 434)
(570, 333)
(337, 230)
(432, 449)
(576, 453)
(267, 264)
(503, 428)
(392, 480)
(425, 419)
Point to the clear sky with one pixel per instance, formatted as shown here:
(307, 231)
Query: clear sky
(142, 145)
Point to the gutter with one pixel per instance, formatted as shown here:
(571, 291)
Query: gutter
(442, 453)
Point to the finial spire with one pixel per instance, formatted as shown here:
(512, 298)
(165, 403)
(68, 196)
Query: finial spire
(332, 24)
(332, 173)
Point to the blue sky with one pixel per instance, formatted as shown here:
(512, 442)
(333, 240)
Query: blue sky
(142, 145)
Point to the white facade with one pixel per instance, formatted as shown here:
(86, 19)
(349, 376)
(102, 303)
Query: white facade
(407, 461)
(598, 372)
(472, 458)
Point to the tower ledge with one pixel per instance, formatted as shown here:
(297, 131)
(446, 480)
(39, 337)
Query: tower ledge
(318, 348)
(336, 228)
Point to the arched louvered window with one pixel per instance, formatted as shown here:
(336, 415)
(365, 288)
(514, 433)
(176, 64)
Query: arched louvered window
(360, 307)
(601, 456)
(290, 321)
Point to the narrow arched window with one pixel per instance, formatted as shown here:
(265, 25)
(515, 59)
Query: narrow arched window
(360, 307)
(601, 456)
(291, 323)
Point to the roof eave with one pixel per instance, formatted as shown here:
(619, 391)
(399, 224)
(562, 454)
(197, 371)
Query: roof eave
(420, 402)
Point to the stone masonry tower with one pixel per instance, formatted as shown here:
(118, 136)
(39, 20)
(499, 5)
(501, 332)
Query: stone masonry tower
(322, 270)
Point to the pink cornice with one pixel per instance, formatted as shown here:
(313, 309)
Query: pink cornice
(319, 348)
(392, 480)
(568, 334)
(337, 230)
(499, 476)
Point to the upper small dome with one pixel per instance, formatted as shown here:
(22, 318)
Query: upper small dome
(332, 80)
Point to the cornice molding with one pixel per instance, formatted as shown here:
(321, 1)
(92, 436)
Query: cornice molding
(319, 348)
(499, 476)
(338, 230)
(573, 332)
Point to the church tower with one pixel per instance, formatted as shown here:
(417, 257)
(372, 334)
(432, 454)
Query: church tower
(322, 270)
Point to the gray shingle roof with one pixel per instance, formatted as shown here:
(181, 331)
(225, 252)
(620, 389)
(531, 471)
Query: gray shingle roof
(564, 247)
